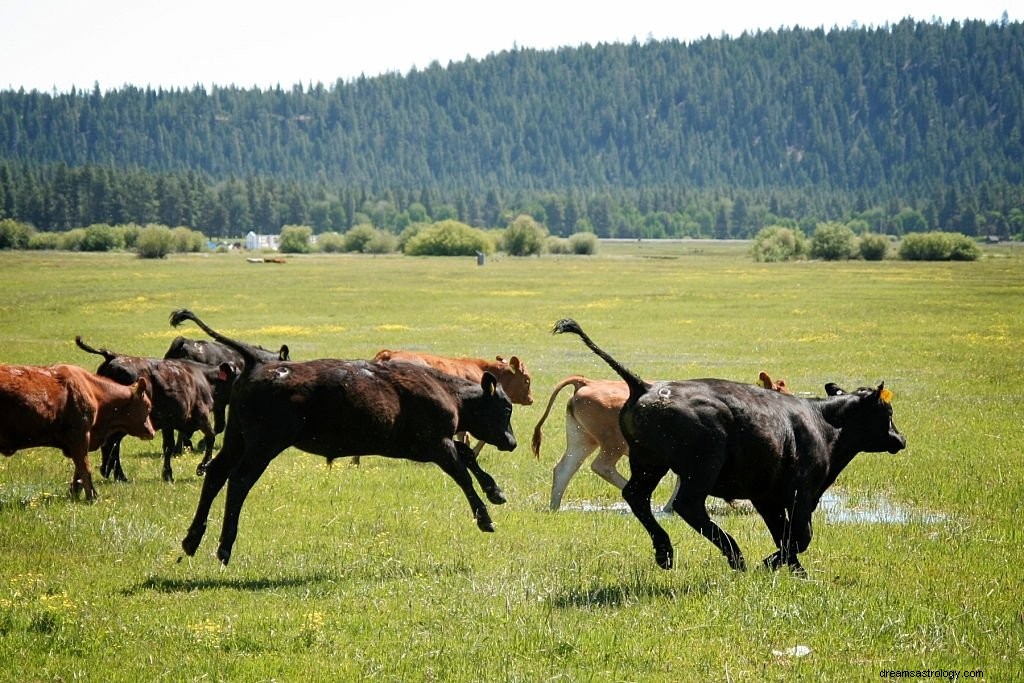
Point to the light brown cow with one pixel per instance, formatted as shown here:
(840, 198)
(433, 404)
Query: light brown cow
(512, 374)
(70, 408)
(592, 423)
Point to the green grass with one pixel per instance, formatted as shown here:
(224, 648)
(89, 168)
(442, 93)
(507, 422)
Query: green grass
(378, 572)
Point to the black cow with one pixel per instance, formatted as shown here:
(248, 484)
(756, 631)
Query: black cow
(337, 408)
(735, 440)
(214, 353)
(184, 393)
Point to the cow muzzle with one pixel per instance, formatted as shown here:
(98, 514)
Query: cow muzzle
(897, 442)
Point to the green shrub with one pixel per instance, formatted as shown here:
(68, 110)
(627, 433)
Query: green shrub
(833, 242)
(358, 236)
(938, 246)
(186, 240)
(14, 234)
(295, 239)
(873, 247)
(583, 243)
(382, 242)
(524, 237)
(449, 238)
(557, 245)
(101, 237)
(154, 241)
(44, 241)
(779, 243)
(71, 240)
(330, 242)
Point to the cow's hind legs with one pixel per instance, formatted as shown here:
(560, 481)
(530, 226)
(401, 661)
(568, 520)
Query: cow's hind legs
(694, 511)
(487, 483)
(453, 465)
(637, 493)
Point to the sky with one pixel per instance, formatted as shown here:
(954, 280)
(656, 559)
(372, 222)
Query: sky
(54, 45)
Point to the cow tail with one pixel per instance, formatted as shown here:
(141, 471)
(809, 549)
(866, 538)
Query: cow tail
(248, 352)
(637, 386)
(576, 381)
(107, 355)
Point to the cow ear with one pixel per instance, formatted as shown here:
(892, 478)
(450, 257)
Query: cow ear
(833, 389)
(764, 379)
(489, 384)
(514, 362)
(884, 395)
(140, 386)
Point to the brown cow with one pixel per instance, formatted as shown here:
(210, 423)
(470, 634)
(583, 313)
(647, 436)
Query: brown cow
(592, 422)
(67, 407)
(512, 375)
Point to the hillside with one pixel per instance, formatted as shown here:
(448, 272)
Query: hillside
(796, 123)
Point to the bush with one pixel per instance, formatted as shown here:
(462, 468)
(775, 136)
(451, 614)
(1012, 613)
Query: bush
(557, 245)
(382, 242)
(44, 240)
(779, 243)
(524, 237)
(14, 235)
(938, 246)
(187, 240)
(583, 243)
(330, 242)
(101, 237)
(833, 242)
(449, 238)
(295, 239)
(358, 236)
(873, 247)
(154, 241)
(71, 240)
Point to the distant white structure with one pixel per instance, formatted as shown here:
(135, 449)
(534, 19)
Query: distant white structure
(254, 242)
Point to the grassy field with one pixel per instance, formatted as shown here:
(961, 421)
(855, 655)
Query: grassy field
(378, 571)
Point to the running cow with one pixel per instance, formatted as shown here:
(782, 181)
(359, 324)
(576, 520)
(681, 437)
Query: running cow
(337, 408)
(735, 440)
(67, 407)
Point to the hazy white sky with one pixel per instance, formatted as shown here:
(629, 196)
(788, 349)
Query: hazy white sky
(57, 44)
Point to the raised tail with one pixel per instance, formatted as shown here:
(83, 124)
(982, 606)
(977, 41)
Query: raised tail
(107, 355)
(636, 385)
(576, 381)
(249, 353)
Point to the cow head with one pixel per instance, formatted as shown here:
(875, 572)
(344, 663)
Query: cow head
(136, 411)
(516, 380)
(869, 418)
(489, 416)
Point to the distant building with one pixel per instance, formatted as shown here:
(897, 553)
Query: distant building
(254, 242)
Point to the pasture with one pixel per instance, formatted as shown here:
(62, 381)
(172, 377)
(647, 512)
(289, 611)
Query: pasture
(379, 572)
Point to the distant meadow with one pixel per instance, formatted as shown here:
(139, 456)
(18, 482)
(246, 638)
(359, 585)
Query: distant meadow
(378, 572)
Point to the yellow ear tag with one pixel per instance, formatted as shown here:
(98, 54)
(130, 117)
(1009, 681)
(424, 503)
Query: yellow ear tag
(885, 396)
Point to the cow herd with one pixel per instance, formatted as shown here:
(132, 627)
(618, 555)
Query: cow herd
(725, 439)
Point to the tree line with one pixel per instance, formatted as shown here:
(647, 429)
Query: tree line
(908, 127)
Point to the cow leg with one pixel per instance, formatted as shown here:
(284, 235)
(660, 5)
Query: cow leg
(604, 467)
(788, 537)
(637, 493)
(82, 477)
(240, 482)
(216, 476)
(449, 461)
(487, 483)
(168, 451)
(578, 445)
(110, 463)
(693, 509)
(207, 442)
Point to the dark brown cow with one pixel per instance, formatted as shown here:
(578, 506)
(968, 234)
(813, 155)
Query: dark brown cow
(337, 408)
(182, 396)
(733, 441)
(212, 353)
(67, 407)
(511, 374)
(592, 423)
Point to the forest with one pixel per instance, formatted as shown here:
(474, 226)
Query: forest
(910, 127)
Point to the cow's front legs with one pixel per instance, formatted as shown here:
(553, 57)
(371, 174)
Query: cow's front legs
(487, 483)
(209, 436)
(240, 482)
(449, 461)
(110, 462)
(216, 476)
(82, 478)
(779, 523)
(693, 509)
(637, 493)
(168, 452)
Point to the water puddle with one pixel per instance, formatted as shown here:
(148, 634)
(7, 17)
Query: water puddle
(835, 505)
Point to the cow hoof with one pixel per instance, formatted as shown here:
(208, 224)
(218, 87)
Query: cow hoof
(663, 557)
(201, 469)
(224, 555)
(168, 477)
(485, 524)
(496, 496)
(773, 561)
(191, 541)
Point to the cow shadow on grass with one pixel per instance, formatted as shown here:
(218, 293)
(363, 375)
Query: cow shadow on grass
(621, 594)
(158, 584)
